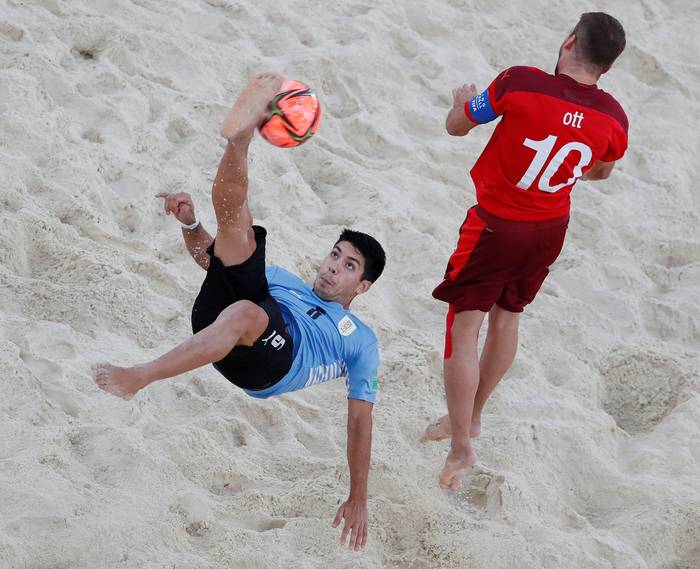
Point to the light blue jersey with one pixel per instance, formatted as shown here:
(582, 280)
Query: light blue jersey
(329, 341)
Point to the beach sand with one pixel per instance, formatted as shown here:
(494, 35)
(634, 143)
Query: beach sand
(590, 451)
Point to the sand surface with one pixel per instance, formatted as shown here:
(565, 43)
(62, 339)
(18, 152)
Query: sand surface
(590, 454)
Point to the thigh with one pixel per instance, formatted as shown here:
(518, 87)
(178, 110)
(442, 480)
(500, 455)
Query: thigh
(267, 360)
(225, 285)
(235, 242)
(524, 287)
(479, 267)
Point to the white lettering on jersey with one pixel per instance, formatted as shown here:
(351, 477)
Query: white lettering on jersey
(574, 119)
(346, 326)
(321, 374)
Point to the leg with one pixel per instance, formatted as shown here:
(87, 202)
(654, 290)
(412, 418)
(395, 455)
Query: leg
(241, 324)
(461, 370)
(496, 357)
(235, 241)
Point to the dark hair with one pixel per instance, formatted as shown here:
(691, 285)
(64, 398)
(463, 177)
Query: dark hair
(600, 39)
(371, 250)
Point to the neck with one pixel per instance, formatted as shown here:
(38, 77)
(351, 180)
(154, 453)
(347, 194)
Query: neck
(344, 303)
(580, 74)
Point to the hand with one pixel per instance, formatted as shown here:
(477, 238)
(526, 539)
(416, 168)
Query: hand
(180, 205)
(461, 95)
(355, 514)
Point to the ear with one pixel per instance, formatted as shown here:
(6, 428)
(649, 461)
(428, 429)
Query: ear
(363, 287)
(569, 42)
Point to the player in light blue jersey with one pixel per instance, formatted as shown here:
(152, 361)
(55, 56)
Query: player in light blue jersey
(262, 327)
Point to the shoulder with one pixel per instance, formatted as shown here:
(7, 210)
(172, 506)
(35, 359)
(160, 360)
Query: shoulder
(280, 276)
(610, 106)
(518, 78)
(350, 325)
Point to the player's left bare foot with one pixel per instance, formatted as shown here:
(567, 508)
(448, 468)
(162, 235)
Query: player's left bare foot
(441, 430)
(437, 431)
(456, 463)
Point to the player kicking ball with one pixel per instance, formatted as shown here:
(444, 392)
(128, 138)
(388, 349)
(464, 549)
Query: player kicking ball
(263, 328)
(554, 129)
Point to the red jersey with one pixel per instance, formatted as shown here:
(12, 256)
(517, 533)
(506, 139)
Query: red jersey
(553, 131)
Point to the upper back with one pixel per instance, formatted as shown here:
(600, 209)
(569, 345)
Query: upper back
(552, 131)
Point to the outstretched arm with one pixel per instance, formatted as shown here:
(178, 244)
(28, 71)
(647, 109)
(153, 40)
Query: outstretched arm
(197, 239)
(354, 510)
(458, 123)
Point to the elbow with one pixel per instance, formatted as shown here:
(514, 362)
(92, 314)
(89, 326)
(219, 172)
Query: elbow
(454, 130)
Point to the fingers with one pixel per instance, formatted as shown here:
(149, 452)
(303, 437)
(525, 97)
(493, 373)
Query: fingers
(344, 533)
(359, 537)
(174, 202)
(354, 530)
(338, 516)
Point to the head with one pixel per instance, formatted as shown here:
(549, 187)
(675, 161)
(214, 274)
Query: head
(594, 44)
(354, 263)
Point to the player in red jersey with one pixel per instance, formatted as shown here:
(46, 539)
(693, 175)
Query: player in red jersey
(554, 130)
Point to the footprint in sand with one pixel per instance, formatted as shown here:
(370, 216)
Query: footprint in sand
(642, 388)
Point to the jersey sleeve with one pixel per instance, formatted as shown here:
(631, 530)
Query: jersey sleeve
(489, 104)
(362, 382)
(617, 146)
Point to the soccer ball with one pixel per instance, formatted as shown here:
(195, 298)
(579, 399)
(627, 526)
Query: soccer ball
(294, 116)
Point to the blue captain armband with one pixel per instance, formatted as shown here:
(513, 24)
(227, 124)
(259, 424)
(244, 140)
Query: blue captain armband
(479, 109)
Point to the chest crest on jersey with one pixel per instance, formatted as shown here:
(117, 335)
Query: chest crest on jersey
(346, 326)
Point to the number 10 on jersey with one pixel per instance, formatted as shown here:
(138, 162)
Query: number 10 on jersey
(543, 149)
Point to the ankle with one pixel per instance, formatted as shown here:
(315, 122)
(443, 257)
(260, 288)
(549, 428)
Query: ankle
(461, 446)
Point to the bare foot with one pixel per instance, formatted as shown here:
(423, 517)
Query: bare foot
(250, 108)
(123, 382)
(440, 430)
(437, 431)
(455, 465)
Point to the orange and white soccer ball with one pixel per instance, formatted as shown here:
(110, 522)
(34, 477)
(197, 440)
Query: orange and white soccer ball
(294, 116)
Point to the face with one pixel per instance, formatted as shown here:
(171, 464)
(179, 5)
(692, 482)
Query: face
(339, 278)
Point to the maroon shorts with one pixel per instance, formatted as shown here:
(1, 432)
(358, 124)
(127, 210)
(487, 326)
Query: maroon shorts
(498, 261)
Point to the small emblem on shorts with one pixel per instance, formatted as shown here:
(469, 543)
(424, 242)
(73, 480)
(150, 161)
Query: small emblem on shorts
(375, 383)
(346, 326)
(276, 341)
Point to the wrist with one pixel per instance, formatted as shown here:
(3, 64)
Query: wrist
(191, 226)
(358, 497)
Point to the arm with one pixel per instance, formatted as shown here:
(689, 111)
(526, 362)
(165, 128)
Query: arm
(198, 239)
(354, 510)
(457, 122)
(599, 171)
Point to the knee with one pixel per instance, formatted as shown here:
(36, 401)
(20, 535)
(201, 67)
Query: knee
(503, 322)
(239, 316)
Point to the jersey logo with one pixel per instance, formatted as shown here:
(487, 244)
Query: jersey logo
(574, 119)
(315, 312)
(346, 326)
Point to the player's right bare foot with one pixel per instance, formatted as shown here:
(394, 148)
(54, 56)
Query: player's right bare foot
(250, 108)
(440, 430)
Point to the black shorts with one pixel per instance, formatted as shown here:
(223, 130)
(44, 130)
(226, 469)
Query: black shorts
(268, 360)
